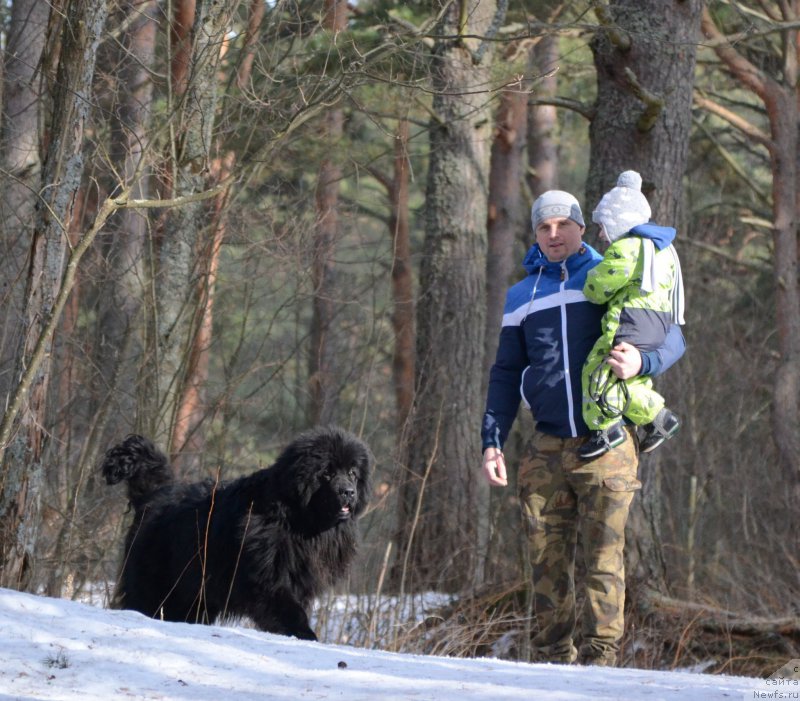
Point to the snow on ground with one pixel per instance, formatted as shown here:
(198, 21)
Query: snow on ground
(68, 651)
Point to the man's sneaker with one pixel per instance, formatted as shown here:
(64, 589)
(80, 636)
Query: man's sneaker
(664, 426)
(602, 441)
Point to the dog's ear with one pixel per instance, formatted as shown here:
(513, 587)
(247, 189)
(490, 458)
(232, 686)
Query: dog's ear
(295, 472)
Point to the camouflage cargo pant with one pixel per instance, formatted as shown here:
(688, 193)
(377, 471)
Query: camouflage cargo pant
(561, 496)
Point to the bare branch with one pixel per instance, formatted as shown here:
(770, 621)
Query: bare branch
(123, 202)
(736, 62)
(734, 164)
(751, 263)
(653, 104)
(68, 282)
(619, 38)
(20, 392)
(735, 120)
(581, 108)
(752, 33)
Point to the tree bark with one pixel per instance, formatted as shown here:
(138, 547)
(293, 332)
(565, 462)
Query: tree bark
(644, 53)
(322, 358)
(505, 227)
(188, 439)
(403, 322)
(116, 344)
(177, 265)
(542, 172)
(505, 207)
(440, 498)
(120, 328)
(21, 456)
(25, 40)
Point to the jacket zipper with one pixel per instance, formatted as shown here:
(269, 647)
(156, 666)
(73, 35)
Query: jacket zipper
(568, 379)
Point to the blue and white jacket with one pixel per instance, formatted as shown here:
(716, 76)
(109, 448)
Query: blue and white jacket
(549, 327)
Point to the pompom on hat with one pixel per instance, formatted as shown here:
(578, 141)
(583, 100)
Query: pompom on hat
(555, 203)
(623, 207)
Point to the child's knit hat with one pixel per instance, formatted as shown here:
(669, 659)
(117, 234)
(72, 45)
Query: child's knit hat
(555, 203)
(623, 207)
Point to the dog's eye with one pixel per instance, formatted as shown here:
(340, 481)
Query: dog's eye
(352, 474)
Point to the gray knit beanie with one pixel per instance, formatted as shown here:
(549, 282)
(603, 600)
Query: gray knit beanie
(555, 203)
(623, 207)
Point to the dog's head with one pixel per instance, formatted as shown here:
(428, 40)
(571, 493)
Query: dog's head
(326, 473)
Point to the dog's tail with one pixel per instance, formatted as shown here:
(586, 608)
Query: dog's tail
(143, 466)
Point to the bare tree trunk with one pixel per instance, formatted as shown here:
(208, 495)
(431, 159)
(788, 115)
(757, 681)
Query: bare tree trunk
(255, 15)
(22, 471)
(60, 492)
(644, 54)
(402, 283)
(505, 208)
(403, 321)
(542, 172)
(440, 498)
(188, 438)
(182, 46)
(114, 346)
(504, 230)
(177, 265)
(126, 254)
(27, 29)
(322, 356)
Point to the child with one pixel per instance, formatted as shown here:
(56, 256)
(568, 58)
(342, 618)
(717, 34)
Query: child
(639, 279)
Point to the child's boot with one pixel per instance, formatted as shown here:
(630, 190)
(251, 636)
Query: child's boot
(664, 426)
(602, 441)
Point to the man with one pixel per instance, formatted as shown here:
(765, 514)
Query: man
(549, 327)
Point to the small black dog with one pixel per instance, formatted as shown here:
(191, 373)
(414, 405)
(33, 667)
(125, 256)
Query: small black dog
(262, 546)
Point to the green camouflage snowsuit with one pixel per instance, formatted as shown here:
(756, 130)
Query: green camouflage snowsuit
(640, 318)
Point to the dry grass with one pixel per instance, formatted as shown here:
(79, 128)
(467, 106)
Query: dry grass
(661, 633)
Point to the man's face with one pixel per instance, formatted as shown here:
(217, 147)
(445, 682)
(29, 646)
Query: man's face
(559, 238)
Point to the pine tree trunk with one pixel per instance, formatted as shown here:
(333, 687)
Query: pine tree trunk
(505, 209)
(645, 64)
(543, 122)
(439, 501)
(505, 223)
(322, 357)
(402, 283)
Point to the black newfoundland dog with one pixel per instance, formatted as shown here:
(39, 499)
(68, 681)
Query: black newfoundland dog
(262, 546)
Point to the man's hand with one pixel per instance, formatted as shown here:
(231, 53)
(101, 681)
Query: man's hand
(494, 467)
(625, 361)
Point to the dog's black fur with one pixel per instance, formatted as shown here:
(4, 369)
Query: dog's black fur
(262, 546)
